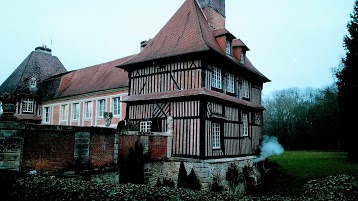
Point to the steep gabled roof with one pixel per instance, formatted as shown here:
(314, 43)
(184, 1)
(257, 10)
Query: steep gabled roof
(95, 78)
(39, 64)
(185, 33)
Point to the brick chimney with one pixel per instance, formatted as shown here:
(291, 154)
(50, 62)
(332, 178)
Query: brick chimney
(214, 11)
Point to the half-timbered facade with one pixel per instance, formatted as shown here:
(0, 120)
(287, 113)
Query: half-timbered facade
(197, 72)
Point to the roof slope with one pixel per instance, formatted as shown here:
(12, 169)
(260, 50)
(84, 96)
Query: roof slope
(39, 64)
(186, 32)
(91, 79)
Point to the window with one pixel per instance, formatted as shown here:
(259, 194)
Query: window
(101, 107)
(230, 80)
(145, 126)
(33, 83)
(216, 135)
(116, 106)
(242, 57)
(46, 114)
(216, 78)
(88, 109)
(245, 89)
(64, 112)
(75, 111)
(245, 125)
(228, 47)
(28, 105)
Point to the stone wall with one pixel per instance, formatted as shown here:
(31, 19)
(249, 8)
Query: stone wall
(205, 170)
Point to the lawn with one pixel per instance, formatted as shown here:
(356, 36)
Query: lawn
(292, 169)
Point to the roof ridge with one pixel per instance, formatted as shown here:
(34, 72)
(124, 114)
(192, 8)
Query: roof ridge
(198, 21)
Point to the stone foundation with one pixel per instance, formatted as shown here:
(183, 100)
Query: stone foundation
(205, 170)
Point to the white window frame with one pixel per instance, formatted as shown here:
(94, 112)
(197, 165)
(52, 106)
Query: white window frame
(64, 112)
(145, 126)
(116, 106)
(216, 135)
(101, 108)
(46, 114)
(216, 78)
(75, 111)
(230, 83)
(28, 105)
(245, 125)
(228, 47)
(88, 109)
(245, 89)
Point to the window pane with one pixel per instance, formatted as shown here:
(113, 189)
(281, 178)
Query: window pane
(216, 135)
(145, 126)
(28, 105)
(245, 125)
(76, 111)
(101, 107)
(88, 109)
(47, 114)
(216, 78)
(116, 106)
(230, 81)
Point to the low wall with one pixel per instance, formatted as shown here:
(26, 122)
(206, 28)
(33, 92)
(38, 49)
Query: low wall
(53, 147)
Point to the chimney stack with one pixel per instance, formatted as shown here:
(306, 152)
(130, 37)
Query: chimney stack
(214, 11)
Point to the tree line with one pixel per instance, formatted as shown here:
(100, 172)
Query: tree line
(320, 118)
(304, 118)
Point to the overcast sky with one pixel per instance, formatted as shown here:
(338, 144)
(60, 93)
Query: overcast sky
(295, 43)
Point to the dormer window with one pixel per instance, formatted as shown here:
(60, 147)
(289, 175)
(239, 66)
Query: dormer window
(33, 83)
(228, 47)
(242, 57)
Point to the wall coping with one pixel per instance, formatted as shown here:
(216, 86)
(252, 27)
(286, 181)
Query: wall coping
(217, 160)
(151, 134)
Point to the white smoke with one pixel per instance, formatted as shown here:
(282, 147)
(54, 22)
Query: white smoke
(269, 147)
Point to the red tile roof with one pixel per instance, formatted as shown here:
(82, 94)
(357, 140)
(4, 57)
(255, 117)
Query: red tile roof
(187, 93)
(94, 78)
(186, 32)
(239, 43)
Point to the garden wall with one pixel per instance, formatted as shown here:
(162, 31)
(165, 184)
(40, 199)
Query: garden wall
(52, 147)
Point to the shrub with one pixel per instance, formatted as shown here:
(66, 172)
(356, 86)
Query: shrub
(168, 183)
(193, 182)
(182, 176)
(159, 183)
(216, 186)
(132, 170)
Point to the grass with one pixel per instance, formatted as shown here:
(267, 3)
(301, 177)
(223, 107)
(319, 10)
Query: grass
(292, 169)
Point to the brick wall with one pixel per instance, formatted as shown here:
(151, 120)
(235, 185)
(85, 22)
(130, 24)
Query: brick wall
(53, 149)
(101, 149)
(154, 145)
(157, 147)
(49, 147)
